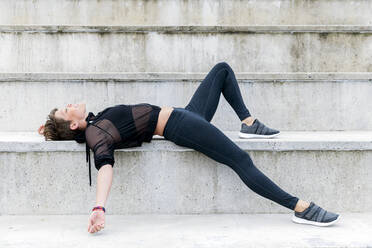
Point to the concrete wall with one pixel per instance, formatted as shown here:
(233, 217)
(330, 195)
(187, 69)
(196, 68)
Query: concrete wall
(185, 12)
(181, 182)
(60, 37)
(185, 49)
(284, 104)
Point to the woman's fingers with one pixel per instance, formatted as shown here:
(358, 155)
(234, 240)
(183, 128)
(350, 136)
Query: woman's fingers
(40, 130)
(89, 225)
(95, 228)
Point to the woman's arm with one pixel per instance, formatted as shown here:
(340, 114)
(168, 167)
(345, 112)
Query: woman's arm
(104, 181)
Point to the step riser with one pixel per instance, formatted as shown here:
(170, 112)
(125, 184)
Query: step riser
(181, 182)
(185, 52)
(202, 12)
(291, 105)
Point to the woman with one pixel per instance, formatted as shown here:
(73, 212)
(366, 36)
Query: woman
(124, 126)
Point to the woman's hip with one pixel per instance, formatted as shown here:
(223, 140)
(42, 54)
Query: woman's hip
(186, 128)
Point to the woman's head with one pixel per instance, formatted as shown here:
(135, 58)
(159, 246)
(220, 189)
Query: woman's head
(64, 123)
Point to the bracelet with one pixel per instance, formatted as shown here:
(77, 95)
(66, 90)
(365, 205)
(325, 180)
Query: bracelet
(99, 207)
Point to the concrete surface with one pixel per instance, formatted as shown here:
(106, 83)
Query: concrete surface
(52, 177)
(185, 48)
(202, 231)
(175, 12)
(181, 77)
(292, 101)
(186, 29)
(286, 141)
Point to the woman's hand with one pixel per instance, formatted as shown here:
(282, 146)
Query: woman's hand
(40, 130)
(96, 221)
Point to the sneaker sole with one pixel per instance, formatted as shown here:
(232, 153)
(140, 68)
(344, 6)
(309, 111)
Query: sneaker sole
(256, 136)
(309, 222)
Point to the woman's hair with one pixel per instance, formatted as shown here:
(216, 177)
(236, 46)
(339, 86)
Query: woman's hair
(58, 129)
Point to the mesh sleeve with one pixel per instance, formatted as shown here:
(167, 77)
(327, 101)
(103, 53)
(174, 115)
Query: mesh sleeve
(101, 138)
(103, 154)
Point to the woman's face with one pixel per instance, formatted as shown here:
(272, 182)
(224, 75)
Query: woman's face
(72, 112)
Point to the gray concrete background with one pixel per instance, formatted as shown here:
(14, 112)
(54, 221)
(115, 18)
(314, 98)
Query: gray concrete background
(284, 102)
(175, 12)
(185, 49)
(99, 36)
(225, 231)
(181, 182)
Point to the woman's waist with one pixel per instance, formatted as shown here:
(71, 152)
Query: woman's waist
(175, 118)
(164, 114)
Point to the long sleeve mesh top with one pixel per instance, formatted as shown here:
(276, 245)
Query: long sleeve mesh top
(120, 126)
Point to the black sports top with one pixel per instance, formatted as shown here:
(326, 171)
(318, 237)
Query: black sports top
(121, 126)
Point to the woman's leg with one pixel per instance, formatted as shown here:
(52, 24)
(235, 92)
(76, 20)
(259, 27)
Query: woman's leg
(186, 128)
(205, 99)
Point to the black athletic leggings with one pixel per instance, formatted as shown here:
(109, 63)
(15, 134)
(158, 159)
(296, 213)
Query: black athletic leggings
(191, 127)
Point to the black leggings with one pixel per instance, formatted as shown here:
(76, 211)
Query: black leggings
(191, 127)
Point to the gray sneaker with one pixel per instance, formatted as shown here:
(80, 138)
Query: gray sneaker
(257, 131)
(315, 215)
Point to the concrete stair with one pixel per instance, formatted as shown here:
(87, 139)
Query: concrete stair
(287, 101)
(217, 230)
(323, 48)
(186, 12)
(331, 168)
(303, 67)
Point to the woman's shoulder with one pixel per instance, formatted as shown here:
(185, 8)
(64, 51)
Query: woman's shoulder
(102, 131)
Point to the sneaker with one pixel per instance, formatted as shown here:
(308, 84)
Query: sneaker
(315, 215)
(257, 131)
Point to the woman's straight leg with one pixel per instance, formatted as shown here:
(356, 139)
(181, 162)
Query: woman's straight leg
(221, 79)
(186, 128)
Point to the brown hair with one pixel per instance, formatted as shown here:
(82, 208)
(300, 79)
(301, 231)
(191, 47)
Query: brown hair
(58, 129)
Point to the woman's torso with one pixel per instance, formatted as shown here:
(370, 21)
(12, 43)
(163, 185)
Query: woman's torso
(164, 114)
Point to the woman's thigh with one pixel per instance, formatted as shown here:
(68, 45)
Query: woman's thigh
(221, 79)
(207, 96)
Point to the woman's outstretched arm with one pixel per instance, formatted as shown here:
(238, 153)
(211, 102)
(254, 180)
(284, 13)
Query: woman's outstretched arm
(104, 182)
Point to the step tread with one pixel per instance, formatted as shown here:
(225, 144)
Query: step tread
(174, 76)
(185, 28)
(213, 230)
(286, 141)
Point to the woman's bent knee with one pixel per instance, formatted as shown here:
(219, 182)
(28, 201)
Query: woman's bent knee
(222, 65)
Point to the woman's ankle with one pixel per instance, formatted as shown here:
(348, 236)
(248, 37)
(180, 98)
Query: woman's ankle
(301, 206)
(249, 120)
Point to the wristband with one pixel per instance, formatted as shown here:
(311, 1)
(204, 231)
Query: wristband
(99, 207)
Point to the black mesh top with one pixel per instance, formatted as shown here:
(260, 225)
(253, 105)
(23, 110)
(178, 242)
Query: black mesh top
(121, 126)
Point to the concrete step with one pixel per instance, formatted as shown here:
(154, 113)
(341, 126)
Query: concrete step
(216, 230)
(332, 169)
(196, 12)
(323, 48)
(286, 101)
